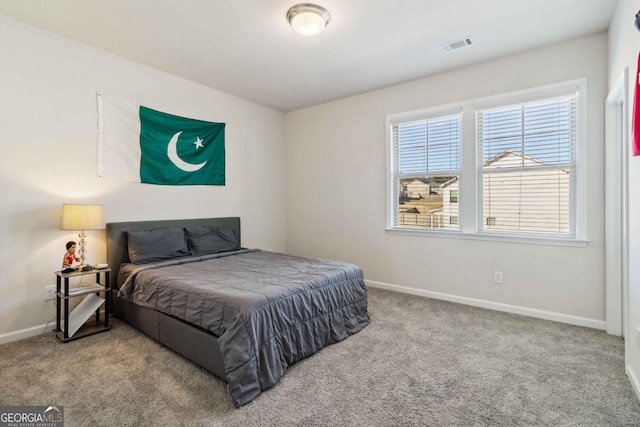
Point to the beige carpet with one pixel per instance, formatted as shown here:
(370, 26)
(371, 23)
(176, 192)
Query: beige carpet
(419, 362)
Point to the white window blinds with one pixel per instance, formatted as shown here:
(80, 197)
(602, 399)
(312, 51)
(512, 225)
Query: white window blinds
(526, 156)
(425, 157)
(430, 146)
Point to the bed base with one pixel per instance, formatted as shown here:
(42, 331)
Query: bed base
(199, 346)
(195, 344)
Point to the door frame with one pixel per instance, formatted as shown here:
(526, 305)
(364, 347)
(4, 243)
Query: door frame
(616, 208)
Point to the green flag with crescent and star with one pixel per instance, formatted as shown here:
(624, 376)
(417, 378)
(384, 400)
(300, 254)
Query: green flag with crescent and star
(139, 144)
(180, 151)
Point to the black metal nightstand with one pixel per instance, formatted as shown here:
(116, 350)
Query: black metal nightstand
(73, 325)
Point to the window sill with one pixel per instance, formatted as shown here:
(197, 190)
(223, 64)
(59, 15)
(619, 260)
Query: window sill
(487, 237)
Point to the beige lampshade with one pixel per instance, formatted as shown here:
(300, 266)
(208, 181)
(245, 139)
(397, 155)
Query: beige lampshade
(82, 217)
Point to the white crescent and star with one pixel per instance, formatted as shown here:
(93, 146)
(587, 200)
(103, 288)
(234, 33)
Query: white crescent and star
(172, 153)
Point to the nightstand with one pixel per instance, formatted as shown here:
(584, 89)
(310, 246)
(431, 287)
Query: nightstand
(76, 324)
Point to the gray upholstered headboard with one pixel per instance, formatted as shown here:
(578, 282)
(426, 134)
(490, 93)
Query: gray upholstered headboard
(117, 250)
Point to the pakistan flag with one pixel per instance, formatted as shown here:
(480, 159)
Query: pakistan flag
(138, 144)
(180, 151)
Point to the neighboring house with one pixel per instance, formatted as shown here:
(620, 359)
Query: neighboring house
(417, 189)
(421, 206)
(523, 200)
(449, 192)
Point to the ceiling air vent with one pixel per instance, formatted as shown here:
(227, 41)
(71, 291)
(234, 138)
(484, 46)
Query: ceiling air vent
(458, 44)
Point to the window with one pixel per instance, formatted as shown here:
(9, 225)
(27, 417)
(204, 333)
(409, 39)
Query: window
(527, 154)
(520, 174)
(426, 167)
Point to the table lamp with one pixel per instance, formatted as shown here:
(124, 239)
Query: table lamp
(82, 218)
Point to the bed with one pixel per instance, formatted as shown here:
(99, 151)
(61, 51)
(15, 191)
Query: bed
(244, 315)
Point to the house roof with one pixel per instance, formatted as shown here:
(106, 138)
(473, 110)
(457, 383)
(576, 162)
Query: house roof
(507, 153)
(412, 210)
(448, 183)
(417, 181)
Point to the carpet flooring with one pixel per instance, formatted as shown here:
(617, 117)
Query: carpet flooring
(421, 362)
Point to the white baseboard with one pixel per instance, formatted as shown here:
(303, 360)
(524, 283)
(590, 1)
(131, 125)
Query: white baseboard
(633, 379)
(531, 312)
(28, 332)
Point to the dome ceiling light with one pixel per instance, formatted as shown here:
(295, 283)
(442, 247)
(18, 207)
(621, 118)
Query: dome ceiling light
(308, 19)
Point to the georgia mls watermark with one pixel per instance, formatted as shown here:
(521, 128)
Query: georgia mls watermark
(31, 416)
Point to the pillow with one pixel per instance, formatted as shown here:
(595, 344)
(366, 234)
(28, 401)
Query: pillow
(210, 240)
(156, 245)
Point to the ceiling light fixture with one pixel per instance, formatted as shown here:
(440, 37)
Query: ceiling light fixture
(308, 19)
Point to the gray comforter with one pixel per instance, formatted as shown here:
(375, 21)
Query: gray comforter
(269, 310)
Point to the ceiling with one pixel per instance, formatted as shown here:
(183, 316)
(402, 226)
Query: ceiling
(246, 47)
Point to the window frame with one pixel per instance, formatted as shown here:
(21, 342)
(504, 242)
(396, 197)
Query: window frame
(408, 118)
(469, 197)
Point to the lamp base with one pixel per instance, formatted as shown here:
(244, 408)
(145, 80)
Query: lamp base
(82, 244)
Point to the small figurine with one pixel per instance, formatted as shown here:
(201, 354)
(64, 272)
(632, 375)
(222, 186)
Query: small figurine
(70, 255)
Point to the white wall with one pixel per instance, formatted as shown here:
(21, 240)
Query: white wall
(48, 157)
(335, 180)
(336, 193)
(624, 44)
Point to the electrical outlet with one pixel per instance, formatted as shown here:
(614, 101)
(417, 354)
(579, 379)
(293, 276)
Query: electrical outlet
(49, 292)
(497, 277)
